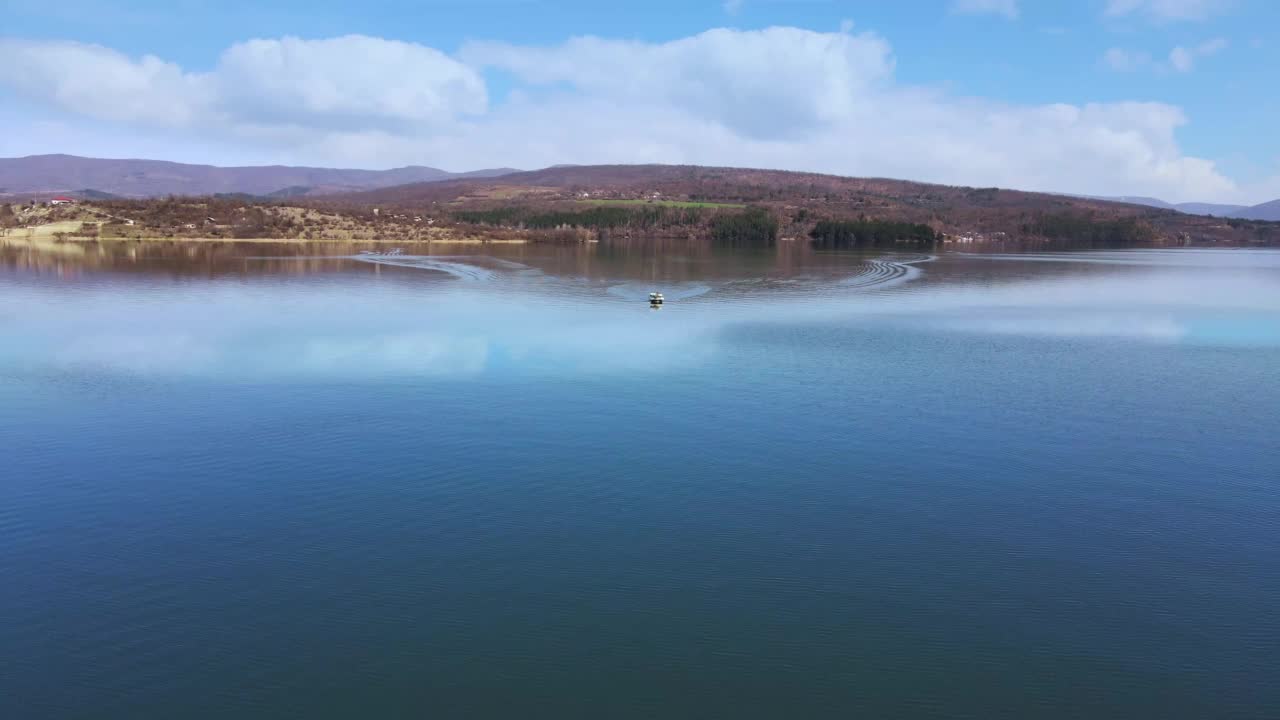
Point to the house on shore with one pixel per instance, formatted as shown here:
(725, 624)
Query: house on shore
(62, 200)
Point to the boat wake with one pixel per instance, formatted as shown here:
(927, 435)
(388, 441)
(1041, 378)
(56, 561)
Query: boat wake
(460, 270)
(874, 274)
(886, 272)
(871, 275)
(679, 291)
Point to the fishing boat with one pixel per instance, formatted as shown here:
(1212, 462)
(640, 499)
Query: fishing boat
(383, 253)
(655, 299)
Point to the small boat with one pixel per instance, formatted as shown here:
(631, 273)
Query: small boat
(383, 253)
(655, 299)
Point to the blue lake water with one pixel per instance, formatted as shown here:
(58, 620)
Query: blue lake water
(237, 484)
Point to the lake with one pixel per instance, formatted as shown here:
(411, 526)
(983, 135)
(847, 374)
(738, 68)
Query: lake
(257, 481)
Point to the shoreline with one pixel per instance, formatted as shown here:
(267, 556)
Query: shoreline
(44, 240)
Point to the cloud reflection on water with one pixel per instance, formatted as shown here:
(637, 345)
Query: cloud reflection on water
(353, 330)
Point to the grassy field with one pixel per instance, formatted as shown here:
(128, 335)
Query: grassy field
(47, 230)
(668, 203)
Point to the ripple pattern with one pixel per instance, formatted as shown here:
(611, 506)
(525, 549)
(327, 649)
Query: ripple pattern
(471, 272)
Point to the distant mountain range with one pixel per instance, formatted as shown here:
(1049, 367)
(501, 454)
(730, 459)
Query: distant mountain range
(1265, 211)
(101, 178)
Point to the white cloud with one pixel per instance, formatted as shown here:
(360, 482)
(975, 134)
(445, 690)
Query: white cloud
(100, 82)
(1007, 8)
(352, 81)
(1184, 59)
(1181, 59)
(779, 97)
(1210, 47)
(1166, 10)
(1122, 60)
(761, 83)
(354, 78)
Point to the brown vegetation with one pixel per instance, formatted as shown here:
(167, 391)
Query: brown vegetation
(800, 200)
(615, 203)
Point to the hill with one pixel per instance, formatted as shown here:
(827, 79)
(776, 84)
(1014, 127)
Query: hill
(1134, 200)
(662, 184)
(1269, 211)
(741, 207)
(98, 177)
(1266, 211)
(564, 195)
(1198, 208)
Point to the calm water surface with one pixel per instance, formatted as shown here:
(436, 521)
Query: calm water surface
(243, 484)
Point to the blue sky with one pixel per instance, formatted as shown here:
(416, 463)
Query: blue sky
(1155, 97)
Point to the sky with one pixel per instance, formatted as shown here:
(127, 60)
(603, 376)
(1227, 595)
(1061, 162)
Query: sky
(1166, 98)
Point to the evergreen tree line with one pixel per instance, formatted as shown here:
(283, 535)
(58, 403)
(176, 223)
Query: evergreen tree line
(864, 233)
(753, 227)
(1090, 231)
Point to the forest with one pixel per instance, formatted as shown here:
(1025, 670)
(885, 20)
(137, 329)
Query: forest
(864, 233)
(1090, 232)
(755, 227)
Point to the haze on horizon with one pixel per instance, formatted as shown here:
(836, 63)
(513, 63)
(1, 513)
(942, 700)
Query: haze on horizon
(1156, 98)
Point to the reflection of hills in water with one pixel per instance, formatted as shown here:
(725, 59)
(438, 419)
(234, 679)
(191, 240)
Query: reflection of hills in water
(874, 273)
(568, 272)
(1248, 258)
(868, 274)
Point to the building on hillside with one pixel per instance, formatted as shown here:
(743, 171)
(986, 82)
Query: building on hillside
(62, 200)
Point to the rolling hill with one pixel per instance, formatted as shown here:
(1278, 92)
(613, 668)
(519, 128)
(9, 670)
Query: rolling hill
(70, 174)
(681, 199)
(99, 178)
(799, 199)
(754, 185)
(1266, 211)
(1198, 208)
(665, 203)
(878, 196)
